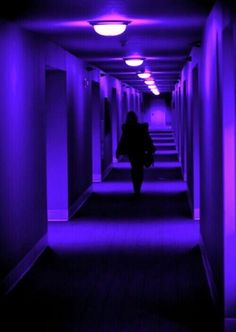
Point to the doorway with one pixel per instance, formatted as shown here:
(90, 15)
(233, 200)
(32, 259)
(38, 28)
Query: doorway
(96, 132)
(195, 183)
(184, 131)
(115, 123)
(56, 137)
(124, 106)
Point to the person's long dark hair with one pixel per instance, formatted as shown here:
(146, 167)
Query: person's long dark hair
(131, 118)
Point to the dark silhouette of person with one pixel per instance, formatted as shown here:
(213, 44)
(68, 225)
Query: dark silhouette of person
(135, 141)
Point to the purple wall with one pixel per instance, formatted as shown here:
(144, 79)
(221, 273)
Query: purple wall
(79, 129)
(96, 131)
(24, 60)
(210, 120)
(23, 212)
(120, 100)
(157, 111)
(203, 106)
(211, 155)
(228, 76)
(57, 158)
(115, 122)
(79, 114)
(194, 144)
(106, 133)
(186, 117)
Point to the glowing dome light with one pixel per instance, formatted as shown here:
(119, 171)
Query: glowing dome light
(134, 62)
(149, 82)
(144, 75)
(109, 28)
(152, 86)
(155, 92)
(155, 88)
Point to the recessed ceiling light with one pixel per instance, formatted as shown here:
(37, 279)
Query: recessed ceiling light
(134, 62)
(109, 27)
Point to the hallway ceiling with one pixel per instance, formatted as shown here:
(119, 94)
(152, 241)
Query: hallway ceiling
(162, 31)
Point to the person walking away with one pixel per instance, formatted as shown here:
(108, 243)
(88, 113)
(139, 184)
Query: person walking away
(135, 142)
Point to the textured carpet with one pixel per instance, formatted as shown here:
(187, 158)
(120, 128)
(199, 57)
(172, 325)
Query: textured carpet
(122, 265)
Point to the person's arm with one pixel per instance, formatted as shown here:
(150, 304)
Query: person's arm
(149, 146)
(121, 148)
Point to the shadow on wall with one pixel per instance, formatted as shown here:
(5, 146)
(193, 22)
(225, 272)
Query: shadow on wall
(157, 110)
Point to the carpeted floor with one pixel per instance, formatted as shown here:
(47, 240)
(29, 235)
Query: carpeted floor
(122, 265)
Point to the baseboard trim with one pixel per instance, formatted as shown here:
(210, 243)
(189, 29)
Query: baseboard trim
(17, 273)
(194, 211)
(80, 201)
(209, 273)
(230, 324)
(84, 197)
(196, 214)
(58, 215)
(107, 171)
(97, 178)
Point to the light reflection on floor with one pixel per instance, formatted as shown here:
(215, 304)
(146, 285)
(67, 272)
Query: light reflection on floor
(102, 234)
(163, 187)
(157, 165)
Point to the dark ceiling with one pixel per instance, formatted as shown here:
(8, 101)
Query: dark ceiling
(162, 31)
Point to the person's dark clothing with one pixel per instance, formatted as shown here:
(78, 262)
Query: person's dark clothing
(134, 142)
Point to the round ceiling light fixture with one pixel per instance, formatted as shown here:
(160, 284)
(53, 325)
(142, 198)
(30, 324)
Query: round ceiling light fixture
(156, 92)
(134, 61)
(109, 27)
(149, 82)
(144, 74)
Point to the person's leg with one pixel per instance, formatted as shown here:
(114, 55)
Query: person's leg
(137, 176)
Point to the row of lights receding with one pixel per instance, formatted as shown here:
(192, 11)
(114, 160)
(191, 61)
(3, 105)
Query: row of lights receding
(115, 28)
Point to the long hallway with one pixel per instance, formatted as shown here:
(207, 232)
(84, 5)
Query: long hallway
(123, 263)
(78, 250)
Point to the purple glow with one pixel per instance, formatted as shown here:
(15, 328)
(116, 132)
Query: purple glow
(210, 60)
(155, 92)
(167, 187)
(57, 167)
(167, 164)
(178, 23)
(22, 145)
(154, 89)
(144, 75)
(73, 164)
(134, 62)
(229, 178)
(230, 272)
(156, 114)
(229, 161)
(109, 28)
(100, 235)
(149, 82)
